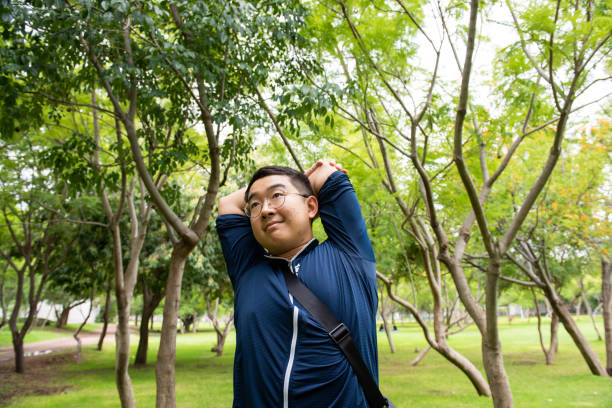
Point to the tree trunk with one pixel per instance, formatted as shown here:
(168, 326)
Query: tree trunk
(550, 352)
(589, 310)
(18, 350)
(554, 339)
(122, 351)
(492, 357)
(43, 324)
(496, 374)
(2, 305)
(421, 355)
(578, 307)
(62, 319)
(221, 339)
(387, 330)
(572, 329)
(164, 368)
(150, 301)
(440, 345)
(606, 294)
(105, 317)
(549, 309)
(76, 333)
(383, 314)
(221, 334)
(143, 341)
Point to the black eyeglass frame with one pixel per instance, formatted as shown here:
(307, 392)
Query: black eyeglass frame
(284, 195)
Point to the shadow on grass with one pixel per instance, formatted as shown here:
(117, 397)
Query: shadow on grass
(39, 378)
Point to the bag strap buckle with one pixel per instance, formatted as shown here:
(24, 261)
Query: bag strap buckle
(339, 333)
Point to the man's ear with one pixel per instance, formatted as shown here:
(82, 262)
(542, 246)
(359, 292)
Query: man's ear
(313, 207)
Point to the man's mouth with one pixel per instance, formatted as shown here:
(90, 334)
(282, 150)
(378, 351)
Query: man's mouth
(271, 224)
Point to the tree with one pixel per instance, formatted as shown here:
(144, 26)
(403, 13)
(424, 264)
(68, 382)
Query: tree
(38, 243)
(152, 279)
(86, 264)
(405, 108)
(156, 62)
(560, 235)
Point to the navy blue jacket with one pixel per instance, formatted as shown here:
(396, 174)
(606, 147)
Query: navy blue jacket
(284, 358)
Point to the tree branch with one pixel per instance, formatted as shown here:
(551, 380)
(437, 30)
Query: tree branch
(279, 130)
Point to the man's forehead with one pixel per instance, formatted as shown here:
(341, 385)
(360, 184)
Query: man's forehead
(264, 184)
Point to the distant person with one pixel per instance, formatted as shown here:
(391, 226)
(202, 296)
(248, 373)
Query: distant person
(284, 358)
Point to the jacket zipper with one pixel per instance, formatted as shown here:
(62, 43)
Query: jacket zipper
(295, 329)
(292, 352)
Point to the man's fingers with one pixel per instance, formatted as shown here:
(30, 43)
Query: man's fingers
(313, 168)
(326, 162)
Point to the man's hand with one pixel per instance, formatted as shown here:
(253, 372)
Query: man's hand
(320, 171)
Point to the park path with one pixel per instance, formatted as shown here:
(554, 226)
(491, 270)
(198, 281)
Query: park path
(59, 344)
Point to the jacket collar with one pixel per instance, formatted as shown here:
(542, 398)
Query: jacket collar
(305, 249)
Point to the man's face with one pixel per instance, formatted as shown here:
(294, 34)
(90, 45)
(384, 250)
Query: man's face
(281, 230)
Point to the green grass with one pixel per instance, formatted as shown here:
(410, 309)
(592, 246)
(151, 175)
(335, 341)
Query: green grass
(33, 335)
(203, 380)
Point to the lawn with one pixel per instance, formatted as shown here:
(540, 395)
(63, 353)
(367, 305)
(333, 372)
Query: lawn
(203, 380)
(37, 334)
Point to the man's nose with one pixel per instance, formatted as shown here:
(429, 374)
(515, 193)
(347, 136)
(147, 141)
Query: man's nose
(266, 208)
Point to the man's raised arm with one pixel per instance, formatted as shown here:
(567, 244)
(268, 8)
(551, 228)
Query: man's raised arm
(233, 203)
(339, 209)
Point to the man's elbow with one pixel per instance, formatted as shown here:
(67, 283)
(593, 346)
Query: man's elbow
(227, 205)
(223, 205)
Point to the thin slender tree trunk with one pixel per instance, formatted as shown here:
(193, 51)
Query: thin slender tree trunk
(549, 353)
(164, 368)
(124, 291)
(228, 327)
(606, 294)
(221, 334)
(122, 352)
(150, 302)
(143, 341)
(43, 324)
(421, 355)
(2, 305)
(105, 318)
(589, 310)
(572, 329)
(387, 331)
(78, 331)
(554, 339)
(383, 314)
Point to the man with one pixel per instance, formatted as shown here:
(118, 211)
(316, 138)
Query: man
(284, 358)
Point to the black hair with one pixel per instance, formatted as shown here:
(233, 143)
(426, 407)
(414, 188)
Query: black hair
(298, 179)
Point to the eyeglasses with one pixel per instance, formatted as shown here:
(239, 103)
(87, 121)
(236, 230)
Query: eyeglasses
(253, 208)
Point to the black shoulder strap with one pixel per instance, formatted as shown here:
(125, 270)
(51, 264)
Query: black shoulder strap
(340, 334)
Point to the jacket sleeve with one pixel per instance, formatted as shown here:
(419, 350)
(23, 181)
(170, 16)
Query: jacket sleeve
(237, 243)
(341, 216)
